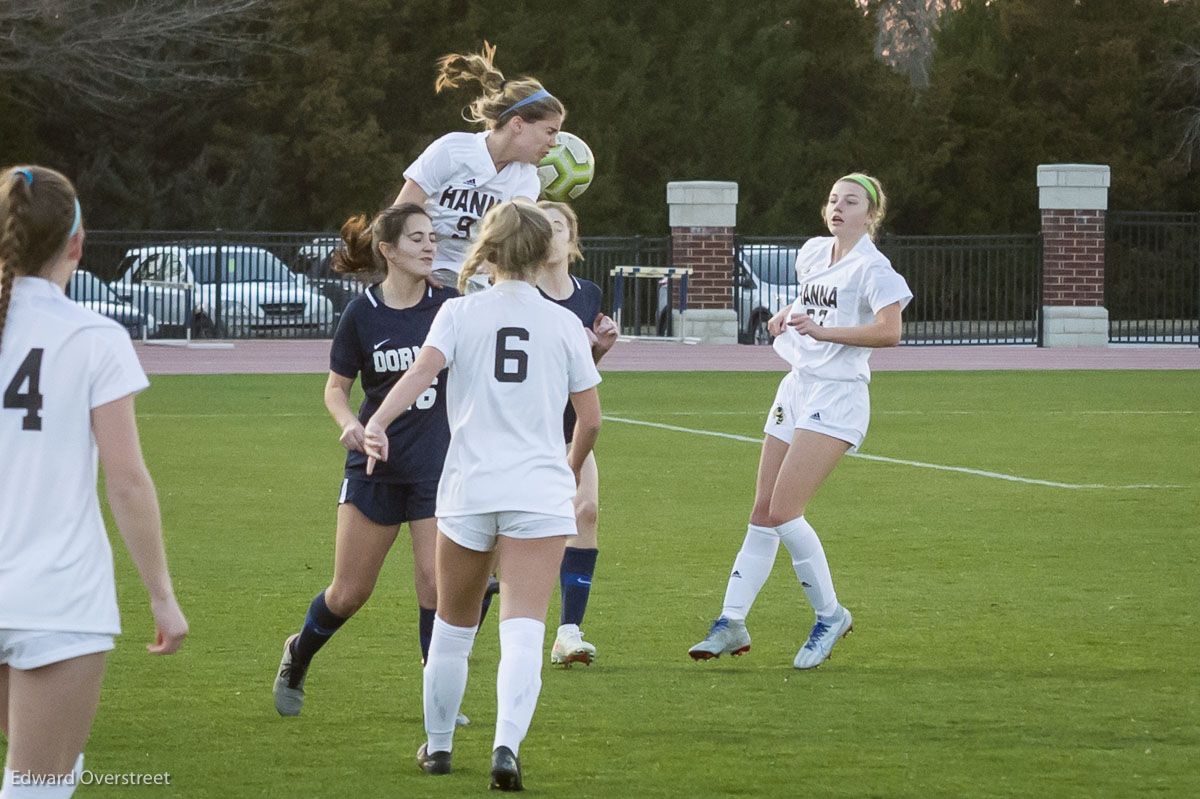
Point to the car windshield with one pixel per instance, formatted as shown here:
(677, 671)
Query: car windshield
(238, 265)
(770, 264)
(85, 287)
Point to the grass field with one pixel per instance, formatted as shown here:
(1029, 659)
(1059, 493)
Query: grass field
(1012, 638)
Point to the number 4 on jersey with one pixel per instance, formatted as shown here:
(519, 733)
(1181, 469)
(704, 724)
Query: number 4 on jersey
(29, 372)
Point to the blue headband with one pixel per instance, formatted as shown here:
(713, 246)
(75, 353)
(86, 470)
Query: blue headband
(540, 94)
(78, 218)
(28, 173)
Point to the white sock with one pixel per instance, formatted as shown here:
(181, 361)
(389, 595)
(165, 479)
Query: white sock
(60, 790)
(445, 681)
(518, 679)
(808, 559)
(751, 568)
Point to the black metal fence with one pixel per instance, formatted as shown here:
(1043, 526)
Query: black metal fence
(223, 284)
(231, 284)
(966, 289)
(1152, 277)
(646, 304)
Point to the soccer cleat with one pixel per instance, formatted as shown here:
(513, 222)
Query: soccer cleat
(824, 634)
(506, 770)
(289, 682)
(433, 762)
(725, 637)
(569, 647)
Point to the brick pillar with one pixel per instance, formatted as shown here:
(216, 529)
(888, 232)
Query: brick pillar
(703, 217)
(1073, 199)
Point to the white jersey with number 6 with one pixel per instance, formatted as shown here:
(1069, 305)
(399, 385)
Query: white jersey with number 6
(846, 294)
(460, 177)
(513, 360)
(58, 361)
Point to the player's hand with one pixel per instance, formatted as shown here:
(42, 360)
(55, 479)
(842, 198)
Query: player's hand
(807, 326)
(605, 331)
(352, 436)
(777, 323)
(170, 627)
(375, 444)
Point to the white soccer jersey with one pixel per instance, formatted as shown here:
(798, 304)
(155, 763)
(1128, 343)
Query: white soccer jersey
(846, 294)
(58, 361)
(460, 177)
(513, 359)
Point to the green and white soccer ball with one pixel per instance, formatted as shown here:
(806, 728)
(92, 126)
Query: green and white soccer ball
(567, 170)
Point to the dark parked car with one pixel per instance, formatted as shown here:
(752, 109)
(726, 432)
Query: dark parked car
(92, 292)
(315, 262)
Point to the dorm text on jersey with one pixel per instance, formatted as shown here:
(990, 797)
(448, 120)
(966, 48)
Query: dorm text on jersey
(399, 360)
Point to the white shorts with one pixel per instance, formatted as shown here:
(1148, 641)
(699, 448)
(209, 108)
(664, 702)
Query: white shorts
(479, 531)
(837, 408)
(32, 649)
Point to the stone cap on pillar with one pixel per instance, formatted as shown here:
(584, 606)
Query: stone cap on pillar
(702, 203)
(1074, 186)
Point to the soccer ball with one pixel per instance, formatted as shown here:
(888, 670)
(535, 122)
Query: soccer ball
(567, 169)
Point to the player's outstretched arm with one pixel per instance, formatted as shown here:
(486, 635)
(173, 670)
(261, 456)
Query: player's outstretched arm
(337, 401)
(411, 192)
(134, 505)
(587, 427)
(419, 377)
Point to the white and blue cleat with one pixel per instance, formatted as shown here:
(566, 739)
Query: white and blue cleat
(725, 637)
(824, 634)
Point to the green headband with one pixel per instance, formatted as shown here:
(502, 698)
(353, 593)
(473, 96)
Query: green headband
(865, 182)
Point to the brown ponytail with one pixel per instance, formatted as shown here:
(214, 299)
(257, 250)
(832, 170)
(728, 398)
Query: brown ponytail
(495, 107)
(361, 256)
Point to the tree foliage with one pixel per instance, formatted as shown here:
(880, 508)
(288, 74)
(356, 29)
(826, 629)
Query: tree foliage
(186, 120)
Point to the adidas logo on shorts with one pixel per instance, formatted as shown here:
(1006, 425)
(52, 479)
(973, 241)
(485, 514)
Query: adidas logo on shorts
(816, 417)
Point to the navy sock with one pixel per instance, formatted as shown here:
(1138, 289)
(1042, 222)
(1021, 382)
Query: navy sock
(575, 582)
(425, 630)
(319, 626)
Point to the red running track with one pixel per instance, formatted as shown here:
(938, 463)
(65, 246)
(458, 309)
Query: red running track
(312, 357)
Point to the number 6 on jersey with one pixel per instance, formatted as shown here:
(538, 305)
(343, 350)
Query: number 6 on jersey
(504, 355)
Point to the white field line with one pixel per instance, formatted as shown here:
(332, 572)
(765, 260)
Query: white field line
(1022, 412)
(919, 464)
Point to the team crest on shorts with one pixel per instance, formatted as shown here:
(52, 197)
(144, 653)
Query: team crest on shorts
(778, 414)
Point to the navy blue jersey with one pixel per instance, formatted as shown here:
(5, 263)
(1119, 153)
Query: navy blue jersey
(584, 302)
(379, 344)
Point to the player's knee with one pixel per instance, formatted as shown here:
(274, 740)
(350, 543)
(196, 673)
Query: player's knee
(587, 514)
(761, 515)
(345, 600)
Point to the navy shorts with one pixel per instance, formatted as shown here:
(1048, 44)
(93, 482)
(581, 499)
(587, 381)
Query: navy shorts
(390, 503)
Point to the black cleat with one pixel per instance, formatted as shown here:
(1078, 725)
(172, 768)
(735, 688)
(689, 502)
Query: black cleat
(506, 770)
(433, 762)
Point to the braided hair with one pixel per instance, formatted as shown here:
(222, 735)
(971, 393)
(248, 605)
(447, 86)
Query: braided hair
(37, 216)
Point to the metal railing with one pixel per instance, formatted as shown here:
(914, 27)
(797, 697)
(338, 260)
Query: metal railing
(966, 289)
(223, 284)
(646, 304)
(234, 284)
(1152, 277)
